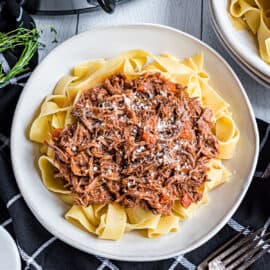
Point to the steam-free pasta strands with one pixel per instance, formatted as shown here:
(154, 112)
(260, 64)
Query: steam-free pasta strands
(166, 224)
(110, 222)
(47, 168)
(253, 15)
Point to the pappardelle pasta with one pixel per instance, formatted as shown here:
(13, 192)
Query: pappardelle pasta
(253, 15)
(135, 142)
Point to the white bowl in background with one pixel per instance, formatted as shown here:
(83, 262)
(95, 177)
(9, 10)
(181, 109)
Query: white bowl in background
(9, 254)
(108, 42)
(242, 45)
(255, 74)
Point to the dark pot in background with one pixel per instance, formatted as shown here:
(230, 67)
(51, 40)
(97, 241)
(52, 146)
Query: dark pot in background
(60, 7)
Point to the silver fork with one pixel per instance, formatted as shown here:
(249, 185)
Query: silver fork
(239, 252)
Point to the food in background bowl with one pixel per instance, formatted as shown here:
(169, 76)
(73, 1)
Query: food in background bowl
(253, 15)
(134, 142)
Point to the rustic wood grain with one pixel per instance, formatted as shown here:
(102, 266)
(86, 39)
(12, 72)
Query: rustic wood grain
(64, 25)
(182, 14)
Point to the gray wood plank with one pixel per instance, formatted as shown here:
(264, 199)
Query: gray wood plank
(64, 25)
(258, 94)
(181, 14)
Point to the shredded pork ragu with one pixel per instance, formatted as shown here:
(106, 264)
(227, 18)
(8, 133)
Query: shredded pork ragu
(136, 142)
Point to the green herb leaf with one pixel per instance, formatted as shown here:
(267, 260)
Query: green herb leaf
(54, 31)
(28, 39)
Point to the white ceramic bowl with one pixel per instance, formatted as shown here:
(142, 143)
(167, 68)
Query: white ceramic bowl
(9, 254)
(240, 44)
(258, 76)
(108, 42)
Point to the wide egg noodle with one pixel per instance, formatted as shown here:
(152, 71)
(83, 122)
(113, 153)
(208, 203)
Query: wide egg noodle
(196, 64)
(47, 168)
(42, 125)
(85, 69)
(58, 119)
(239, 8)
(79, 218)
(166, 224)
(139, 218)
(211, 99)
(63, 84)
(253, 15)
(264, 36)
(40, 129)
(112, 66)
(227, 148)
(111, 221)
(183, 213)
(217, 174)
(227, 135)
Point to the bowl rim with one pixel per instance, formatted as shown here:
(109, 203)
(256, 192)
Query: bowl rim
(255, 74)
(90, 249)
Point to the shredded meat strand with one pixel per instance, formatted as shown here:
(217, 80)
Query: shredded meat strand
(136, 142)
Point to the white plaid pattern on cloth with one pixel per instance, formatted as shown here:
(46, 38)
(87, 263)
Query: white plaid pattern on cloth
(31, 259)
(15, 80)
(25, 257)
(6, 222)
(13, 200)
(106, 263)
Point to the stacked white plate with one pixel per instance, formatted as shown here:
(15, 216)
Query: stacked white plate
(242, 45)
(9, 255)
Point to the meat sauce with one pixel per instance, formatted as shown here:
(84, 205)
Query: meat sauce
(136, 142)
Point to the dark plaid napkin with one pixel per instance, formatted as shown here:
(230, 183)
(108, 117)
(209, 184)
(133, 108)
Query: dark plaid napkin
(41, 250)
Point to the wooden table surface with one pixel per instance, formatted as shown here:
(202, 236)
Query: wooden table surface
(191, 16)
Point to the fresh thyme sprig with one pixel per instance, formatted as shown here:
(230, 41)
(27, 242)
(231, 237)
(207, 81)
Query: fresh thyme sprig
(18, 37)
(22, 64)
(28, 40)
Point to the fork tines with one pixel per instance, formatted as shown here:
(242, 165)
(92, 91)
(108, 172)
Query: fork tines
(249, 248)
(240, 252)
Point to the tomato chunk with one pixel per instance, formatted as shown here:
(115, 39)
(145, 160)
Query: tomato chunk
(172, 87)
(186, 200)
(186, 134)
(56, 132)
(148, 137)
